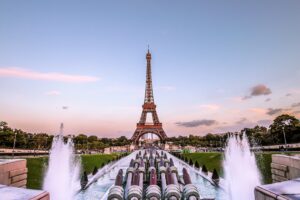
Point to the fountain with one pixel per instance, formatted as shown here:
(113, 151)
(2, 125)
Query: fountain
(241, 172)
(62, 176)
(151, 174)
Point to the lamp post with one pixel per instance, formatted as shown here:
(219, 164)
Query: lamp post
(285, 123)
(285, 144)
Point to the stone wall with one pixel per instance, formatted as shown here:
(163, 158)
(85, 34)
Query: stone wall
(13, 172)
(285, 168)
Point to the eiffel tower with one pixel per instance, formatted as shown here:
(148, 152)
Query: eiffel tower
(149, 106)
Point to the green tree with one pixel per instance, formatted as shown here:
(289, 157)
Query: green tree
(287, 123)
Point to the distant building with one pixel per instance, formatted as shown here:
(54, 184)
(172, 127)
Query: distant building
(118, 149)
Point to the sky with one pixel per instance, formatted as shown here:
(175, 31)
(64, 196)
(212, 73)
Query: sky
(217, 66)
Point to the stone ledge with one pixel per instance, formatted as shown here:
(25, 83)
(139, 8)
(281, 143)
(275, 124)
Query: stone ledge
(13, 172)
(293, 173)
(264, 194)
(10, 165)
(19, 183)
(288, 190)
(278, 172)
(18, 172)
(19, 178)
(279, 166)
(278, 178)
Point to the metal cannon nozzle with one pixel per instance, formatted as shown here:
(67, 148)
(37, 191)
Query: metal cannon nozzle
(186, 176)
(153, 191)
(169, 178)
(171, 162)
(117, 191)
(190, 191)
(135, 191)
(119, 178)
(135, 178)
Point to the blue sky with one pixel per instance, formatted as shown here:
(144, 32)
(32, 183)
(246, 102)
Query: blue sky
(90, 56)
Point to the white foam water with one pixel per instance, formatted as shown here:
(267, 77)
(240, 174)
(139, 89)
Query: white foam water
(241, 172)
(62, 179)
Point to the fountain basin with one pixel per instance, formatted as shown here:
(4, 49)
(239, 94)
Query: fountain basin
(100, 186)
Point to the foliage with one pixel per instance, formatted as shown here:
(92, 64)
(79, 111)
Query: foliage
(289, 124)
(258, 135)
(43, 141)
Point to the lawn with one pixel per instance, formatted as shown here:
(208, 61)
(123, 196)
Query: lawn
(36, 167)
(214, 161)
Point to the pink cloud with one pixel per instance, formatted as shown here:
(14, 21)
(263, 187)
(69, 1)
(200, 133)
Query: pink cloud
(258, 110)
(49, 76)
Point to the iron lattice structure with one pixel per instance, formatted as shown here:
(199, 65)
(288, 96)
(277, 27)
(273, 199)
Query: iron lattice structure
(155, 127)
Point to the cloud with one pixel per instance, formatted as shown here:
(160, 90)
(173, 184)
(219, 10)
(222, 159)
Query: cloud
(49, 76)
(258, 90)
(296, 105)
(258, 110)
(296, 112)
(272, 111)
(288, 94)
(242, 120)
(53, 93)
(195, 123)
(264, 122)
(268, 99)
(246, 97)
(210, 106)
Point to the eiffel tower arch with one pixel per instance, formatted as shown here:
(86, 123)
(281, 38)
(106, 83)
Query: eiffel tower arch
(149, 107)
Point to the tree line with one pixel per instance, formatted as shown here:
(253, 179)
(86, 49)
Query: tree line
(43, 141)
(258, 135)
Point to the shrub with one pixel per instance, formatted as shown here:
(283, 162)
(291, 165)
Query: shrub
(95, 170)
(84, 180)
(215, 175)
(191, 162)
(204, 169)
(197, 165)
